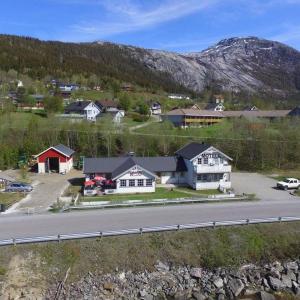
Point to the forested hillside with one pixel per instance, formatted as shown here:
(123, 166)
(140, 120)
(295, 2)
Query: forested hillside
(39, 60)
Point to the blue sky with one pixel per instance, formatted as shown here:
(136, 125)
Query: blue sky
(174, 25)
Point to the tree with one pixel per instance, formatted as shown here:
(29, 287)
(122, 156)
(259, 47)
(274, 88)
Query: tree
(28, 100)
(143, 108)
(53, 104)
(125, 102)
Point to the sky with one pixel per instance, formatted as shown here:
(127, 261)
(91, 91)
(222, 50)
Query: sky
(172, 25)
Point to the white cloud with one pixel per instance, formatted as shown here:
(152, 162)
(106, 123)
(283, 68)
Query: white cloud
(130, 15)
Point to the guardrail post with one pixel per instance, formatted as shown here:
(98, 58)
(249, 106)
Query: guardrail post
(58, 238)
(100, 234)
(247, 221)
(14, 241)
(214, 224)
(141, 231)
(178, 227)
(280, 219)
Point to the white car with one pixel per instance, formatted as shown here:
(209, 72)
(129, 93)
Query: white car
(288, 183)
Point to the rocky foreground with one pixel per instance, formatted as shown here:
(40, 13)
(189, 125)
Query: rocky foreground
(172, 282)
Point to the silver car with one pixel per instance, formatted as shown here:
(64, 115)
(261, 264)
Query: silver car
(19, 187)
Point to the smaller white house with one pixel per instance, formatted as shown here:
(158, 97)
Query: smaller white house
(155, 108)
(84, 109)
(179, 97)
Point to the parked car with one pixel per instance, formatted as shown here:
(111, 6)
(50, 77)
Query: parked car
(90, 191)
(19, 187)
(288, 183)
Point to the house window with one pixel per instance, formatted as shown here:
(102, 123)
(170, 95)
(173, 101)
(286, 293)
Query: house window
(140, 182)
(206, 161)
(221, 160)
(199, 161)
(123, 183)
(148, 182)
(131, 182)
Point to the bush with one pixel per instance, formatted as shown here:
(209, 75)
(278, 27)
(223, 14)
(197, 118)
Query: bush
(138, 117)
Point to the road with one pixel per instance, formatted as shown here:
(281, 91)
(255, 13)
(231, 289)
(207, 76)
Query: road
(15, 226)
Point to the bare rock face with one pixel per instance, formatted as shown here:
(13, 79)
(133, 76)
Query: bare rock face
(234, 64)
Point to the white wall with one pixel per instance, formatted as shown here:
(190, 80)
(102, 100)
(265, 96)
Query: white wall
(41, 167)
(92, 111)
(168, 178)
(66, 166)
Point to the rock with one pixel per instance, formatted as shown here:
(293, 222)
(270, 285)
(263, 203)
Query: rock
(236, 286)
(196, 272)
(109, 286)
(218, 283)
(293, 266)
(275, 283)
(286, 281)
(221, 297)
(295, 287)
(162, 267)
(198, 296)
(265, 296)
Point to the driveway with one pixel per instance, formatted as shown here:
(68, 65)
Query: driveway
(47, 188)
(261, 185)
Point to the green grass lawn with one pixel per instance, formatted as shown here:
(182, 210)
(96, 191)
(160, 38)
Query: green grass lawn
(160, 193)
(9, 199)
(282, 174)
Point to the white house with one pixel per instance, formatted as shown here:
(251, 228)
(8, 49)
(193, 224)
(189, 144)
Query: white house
(198, 165)
(84, 109)
(155, 108)
(179, 97)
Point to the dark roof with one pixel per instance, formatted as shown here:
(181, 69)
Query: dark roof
(106, 103)
(129, 163)
(64, 149)
(295, 112)
(192, 150)
(211, 106)
(152, 164)
(77, 106)
(250, 108)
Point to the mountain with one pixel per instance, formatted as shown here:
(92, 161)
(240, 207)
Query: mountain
(236, 64)
(248, 64)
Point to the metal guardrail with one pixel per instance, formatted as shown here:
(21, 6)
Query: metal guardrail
(99, 234)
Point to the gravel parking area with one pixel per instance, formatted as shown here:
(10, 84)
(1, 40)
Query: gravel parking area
(261, 185)
(47, 188)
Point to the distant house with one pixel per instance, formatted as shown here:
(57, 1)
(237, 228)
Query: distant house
(107, 105)
(39, 100)
(127, 87)
(68, 87)
(295, 112)
(250, 108)
(215, 106)
(179, 97)
(20, 84)
(187, 117)
(155, 108)
(116, 116)
(84, 109)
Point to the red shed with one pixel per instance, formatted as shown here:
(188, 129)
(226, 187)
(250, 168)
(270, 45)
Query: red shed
(58, 159)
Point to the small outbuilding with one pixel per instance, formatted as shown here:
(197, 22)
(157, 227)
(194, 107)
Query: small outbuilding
(56, 159)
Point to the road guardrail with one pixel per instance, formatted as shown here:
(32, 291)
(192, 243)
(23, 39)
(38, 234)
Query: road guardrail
(100, 234)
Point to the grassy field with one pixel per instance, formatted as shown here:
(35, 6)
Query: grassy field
(282, 174)
(160, 193)
(209, 248)
(9, 199)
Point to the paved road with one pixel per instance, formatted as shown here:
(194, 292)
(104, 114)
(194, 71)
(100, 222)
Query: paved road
(100, 220)
(273, 203)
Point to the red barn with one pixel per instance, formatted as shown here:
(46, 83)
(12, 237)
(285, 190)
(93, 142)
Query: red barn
(58, 159)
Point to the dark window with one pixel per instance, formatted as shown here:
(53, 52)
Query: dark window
(206, 161)
(199, 161)
(123, 182)
(148, 182)
(131, 182)
(140, 182)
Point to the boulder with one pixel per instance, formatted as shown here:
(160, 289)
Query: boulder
(196, 272)
(286, 281)
(218, 283)
(293, 266)
(199, 296)
(236, 286)
(265, 296)
(160, 266)
(276, 284)
(109, 286)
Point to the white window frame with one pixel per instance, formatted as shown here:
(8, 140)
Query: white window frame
(132, 183)
(199, 161)
(122, 181)
(140, 182)
(149, 182)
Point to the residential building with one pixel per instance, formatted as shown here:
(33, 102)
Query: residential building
(116, 116)
(253, 114)
(68, 87)
(215, 106)
(295, 112)
(193, 117)
(127, 87)
(250, 108)
(198, 165)
(83, 109)
(178, 96)
(107, 105)
(155, 108)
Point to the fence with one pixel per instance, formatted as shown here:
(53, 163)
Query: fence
(100, 234)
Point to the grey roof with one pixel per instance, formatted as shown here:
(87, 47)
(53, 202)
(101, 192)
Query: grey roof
(64, 149)
(295, 112)
(192, 150)
(77, 106)
(152, 164)
(129, 163)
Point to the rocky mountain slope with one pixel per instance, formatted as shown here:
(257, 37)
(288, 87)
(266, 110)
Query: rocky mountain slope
(235, 64)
